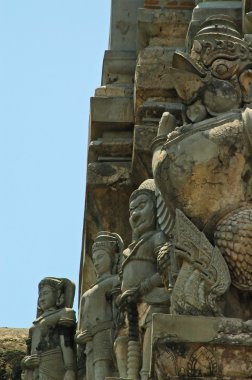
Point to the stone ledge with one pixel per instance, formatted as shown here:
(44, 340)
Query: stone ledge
(110, 113)
(178, 4)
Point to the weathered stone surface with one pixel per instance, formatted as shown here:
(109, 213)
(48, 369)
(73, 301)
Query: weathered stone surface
(111, 146)
(183, 4)
(166, 27)
(108, 190)
(147, 119)
(108, 113)
(201, 348)
(108, 174)
(153, 78)
(206, 185)
(141, 162)
(123, 24)
(12, 351)
(209, 8)
(152, 109)
(119, 67)
(114, 90)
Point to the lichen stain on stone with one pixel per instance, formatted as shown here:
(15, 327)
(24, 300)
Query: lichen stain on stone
(122, 26)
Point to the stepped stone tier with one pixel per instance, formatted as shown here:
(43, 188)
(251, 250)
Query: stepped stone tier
(166, 265)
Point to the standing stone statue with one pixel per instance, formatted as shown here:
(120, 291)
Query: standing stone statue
(142, 289)
(51, 354)
(97, 309)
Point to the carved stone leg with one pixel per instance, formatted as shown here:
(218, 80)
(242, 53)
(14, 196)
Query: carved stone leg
(134, 350)
(102, 369)
(121, 347)
(134, 359)
(146, 354)
(89, 361)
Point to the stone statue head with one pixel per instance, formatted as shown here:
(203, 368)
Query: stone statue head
(55, 293)
(216, 75)
(106, 252)
(142, 207)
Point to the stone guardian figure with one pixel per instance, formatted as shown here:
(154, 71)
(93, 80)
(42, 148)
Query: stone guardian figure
(142, 289)
(97, 309)
(51, 354)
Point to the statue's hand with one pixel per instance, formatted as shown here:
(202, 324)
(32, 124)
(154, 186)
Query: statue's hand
(31, 361)
(82, 337)
(70, 375)
(129, 296)
(146, 286)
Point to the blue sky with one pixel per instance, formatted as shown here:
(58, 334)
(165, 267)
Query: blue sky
(50, 64)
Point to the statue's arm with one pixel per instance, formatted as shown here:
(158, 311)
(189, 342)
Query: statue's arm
(155, 280)
(67, 325)
(30, 361)
(82, 335)
(69, 359)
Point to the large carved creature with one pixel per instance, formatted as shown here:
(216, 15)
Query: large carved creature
(204, 167)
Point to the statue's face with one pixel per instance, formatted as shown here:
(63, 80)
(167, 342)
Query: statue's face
(47, 297)
(142, 214)
(102, 262)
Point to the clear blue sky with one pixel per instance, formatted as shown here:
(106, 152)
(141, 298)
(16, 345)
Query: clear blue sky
(50, 64)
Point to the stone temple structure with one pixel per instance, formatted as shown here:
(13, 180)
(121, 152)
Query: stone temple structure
(166, 266)
(170, 152)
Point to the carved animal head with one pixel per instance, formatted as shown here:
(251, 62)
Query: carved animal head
(216, 76)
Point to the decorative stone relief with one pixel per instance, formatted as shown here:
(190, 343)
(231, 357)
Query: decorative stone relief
(200, 272)
(201, 347)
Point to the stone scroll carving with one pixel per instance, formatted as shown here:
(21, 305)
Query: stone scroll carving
(201, 273)
(51, 349)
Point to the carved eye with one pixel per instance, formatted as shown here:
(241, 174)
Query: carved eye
(223, 69)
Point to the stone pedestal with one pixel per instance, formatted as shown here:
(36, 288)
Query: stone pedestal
(188, 347)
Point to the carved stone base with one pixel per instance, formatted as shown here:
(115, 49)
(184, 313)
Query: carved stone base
(201, 348)
(206, 378)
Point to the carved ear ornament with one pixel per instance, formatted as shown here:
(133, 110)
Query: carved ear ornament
(184, 62)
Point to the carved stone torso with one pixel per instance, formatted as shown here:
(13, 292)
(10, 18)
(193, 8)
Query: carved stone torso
(97, 299)
(140, 260)
(206, 167)
(46, 329)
